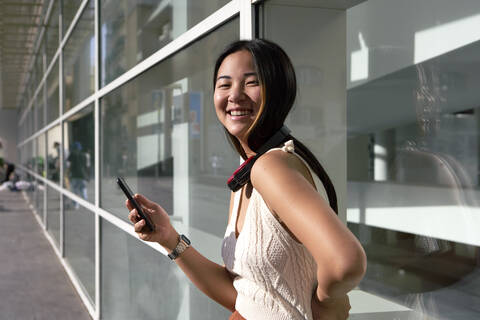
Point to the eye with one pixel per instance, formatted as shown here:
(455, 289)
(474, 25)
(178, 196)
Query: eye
(223, 85)
(252, 83)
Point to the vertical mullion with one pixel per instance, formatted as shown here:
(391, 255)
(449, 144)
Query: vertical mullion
(62, 144)
(246, 19)
(96, 117)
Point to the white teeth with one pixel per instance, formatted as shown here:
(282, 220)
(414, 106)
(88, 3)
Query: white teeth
(239, 113)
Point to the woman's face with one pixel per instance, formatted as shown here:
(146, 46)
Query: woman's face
(237, 96)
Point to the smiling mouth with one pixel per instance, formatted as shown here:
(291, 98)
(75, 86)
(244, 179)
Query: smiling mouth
(237, 113)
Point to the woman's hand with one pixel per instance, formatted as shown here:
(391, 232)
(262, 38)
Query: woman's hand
(164, 233)
(331, 308)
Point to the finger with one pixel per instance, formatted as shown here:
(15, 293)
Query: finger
(133, 216)
(139, 226)
(144, 201)
(129, 205)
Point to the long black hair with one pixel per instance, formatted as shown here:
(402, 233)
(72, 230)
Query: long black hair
(279, 87)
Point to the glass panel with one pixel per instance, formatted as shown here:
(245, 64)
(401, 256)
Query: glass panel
(53, 213)
(80, 243)
(79, 142)
(318, 116)
(40, 155)
(133, 30)
(38, 67)
(52, 94)
(52, 37)
(39, 188)
(39, 110)
(79, 60)
(132, 271)
(161, 133)
(70, 8)
(413, 166)
(53, 155)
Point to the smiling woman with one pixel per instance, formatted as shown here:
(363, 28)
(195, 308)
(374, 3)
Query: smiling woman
(286, 254)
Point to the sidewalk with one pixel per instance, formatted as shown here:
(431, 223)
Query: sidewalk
(33, 283)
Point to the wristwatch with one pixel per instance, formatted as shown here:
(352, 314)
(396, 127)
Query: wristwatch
(183, 243)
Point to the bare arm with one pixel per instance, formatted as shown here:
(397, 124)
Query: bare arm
(211, 278)
(339, 256)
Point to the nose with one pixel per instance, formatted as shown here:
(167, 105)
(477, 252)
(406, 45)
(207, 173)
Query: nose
(236, 93)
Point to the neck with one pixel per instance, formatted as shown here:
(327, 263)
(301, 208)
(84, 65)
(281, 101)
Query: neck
(246, 148)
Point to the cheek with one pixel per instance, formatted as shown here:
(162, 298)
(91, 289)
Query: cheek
(219, 102)
(257, 98)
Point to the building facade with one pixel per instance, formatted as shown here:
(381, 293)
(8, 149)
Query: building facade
(387, 100)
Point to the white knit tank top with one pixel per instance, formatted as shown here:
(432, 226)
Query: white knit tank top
(275, 276)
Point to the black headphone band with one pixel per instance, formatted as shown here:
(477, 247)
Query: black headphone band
(242, 175)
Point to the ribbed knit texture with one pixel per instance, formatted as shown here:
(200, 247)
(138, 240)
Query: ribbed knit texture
(275, 275)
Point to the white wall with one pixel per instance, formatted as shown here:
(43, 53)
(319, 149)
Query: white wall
(8, 134)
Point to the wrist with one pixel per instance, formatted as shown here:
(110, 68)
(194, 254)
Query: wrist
(171, 242)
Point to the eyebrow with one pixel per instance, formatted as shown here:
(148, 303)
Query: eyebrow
(248, 74)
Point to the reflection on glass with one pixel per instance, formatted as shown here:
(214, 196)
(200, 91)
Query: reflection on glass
(53, 103)
(132, 270)
(40, 156)
(79, 173)
(38, 67)
(39, 190)
(53, 214)
(79, 60)
(132, 31)
(51, 32)
(39, 107)
(80, 243)
(69, 10)
(54, 137)
(161, 133)
(413, 182)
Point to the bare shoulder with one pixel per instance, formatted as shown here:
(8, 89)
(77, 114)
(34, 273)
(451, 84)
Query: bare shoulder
(276, 166)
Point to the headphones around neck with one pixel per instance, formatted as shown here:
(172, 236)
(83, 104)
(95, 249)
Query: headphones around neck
(242, 175)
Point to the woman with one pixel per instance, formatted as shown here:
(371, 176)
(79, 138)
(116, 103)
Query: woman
(286, 254)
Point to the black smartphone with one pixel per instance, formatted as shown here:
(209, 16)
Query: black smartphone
(128, 192)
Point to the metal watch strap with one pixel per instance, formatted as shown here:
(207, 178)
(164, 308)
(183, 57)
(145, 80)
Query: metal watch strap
(183, 243)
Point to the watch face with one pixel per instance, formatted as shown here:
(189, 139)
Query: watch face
(185, 239)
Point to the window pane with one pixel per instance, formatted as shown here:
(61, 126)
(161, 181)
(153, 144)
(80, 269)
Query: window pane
(39, 190)
(53, 156)
(161, 133)
(79, 60)
(53, 214)
(413, 166)
(79, 148)
(318, 116)
(80, 243)
(133, 30)
(52, 94)
(51, 33)
(40, 156)
(70, 8)
(132, 270)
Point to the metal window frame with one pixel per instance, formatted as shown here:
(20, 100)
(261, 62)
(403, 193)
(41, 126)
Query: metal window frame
(242, 8)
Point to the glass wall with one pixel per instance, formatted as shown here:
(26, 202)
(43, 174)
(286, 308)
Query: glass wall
(132, 31)
(160, 132)
(413, 165)
(79, 226)
(79, 146)
(53, 103)
(52, 32)
(79, 59)
(54, 147)
(398, 132)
